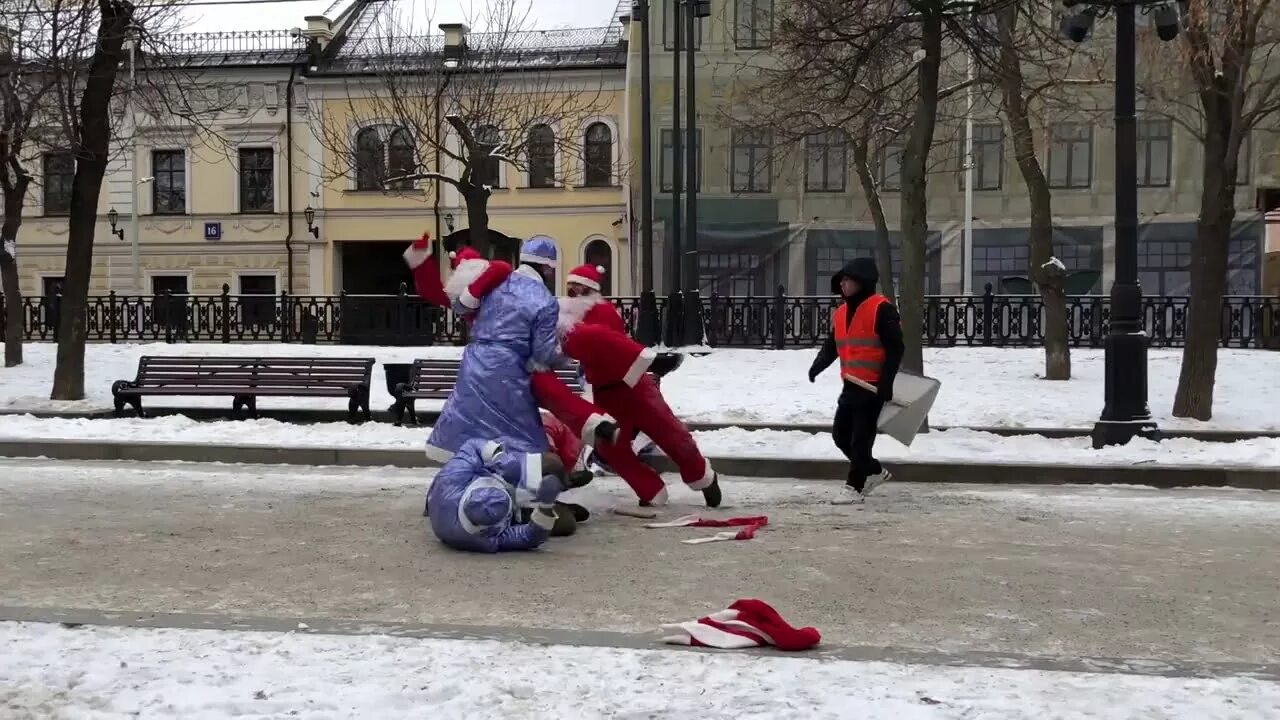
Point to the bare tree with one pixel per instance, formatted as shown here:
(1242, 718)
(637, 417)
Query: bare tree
(81, 49)
(459, 119)
(1226, 84)
(22, 90)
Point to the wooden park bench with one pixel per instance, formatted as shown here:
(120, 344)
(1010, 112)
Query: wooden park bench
(245, 379)
(435, 379)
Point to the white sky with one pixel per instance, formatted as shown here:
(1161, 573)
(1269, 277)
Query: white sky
(542, 14)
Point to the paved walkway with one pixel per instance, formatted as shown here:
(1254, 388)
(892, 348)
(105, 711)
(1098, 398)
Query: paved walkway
(1186, 576)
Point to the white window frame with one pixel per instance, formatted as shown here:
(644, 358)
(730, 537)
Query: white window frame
(384, 127)
(615, 178)
(237, 274)
(558, 172)
(146, 193)
(150, 275)
(277, 175)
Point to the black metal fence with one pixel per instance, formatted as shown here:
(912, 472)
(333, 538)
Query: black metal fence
(777, 321)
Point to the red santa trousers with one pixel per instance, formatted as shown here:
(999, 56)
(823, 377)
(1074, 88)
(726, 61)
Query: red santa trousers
(564, 441)
(581, 416)
(642, 408)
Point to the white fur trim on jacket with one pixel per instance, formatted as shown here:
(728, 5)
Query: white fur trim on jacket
(415, 256)
(708, 477)
(574, 309)
(467, 272)
(640, 366)
(544, 518)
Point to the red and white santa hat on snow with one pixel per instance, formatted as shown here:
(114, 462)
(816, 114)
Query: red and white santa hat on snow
(589, 276)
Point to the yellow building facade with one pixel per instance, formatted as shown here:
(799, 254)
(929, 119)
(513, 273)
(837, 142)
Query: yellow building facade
(258, 197)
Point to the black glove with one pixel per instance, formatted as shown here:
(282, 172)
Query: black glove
(885, 391)
(813, 375)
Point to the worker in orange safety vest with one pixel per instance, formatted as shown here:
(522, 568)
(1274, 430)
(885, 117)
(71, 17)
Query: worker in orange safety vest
(866, 337)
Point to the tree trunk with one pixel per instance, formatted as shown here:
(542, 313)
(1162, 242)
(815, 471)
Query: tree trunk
(884, 251)
(915, 200)
(1050, 278)
(91, 150)
(477, 200)
(9, 271)
(1194, 398)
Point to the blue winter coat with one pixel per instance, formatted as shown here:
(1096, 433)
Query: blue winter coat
(516, 324)
(482, 481)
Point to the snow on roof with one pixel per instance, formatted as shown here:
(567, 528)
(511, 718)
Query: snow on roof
(232, 16)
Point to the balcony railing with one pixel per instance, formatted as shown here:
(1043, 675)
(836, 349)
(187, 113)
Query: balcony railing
(776, 321)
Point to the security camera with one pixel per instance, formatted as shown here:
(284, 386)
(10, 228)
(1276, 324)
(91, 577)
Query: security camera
(146, 180)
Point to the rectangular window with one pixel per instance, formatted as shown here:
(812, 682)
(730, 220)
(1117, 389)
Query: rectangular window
(754, 27)
(669, 27)
(752, 163)
(257, 180)
(827, 162)
(1155, 140)
(891, 168)
(988, 157)
(669, 165)
(1071, 156)
(257, 299)
(169, 188)
(59, 172)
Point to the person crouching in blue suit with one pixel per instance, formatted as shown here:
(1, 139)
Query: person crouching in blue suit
(487, 499)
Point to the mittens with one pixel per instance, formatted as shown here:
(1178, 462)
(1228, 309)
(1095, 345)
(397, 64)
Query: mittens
(423, 242)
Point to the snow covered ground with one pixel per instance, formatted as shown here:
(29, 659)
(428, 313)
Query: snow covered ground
(982, 387)
(951, 445)
(47, 671)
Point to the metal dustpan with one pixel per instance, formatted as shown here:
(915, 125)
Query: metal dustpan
(913, 396)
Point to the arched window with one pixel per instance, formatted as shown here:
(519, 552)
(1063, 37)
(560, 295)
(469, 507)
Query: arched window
(598, 252)
(542, 156)
(371, 166)
(400, 158)
(598, 156)
(487, 170)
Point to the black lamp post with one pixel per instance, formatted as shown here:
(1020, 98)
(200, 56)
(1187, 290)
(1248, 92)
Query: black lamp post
(113, 217)
(310, 216)
(1126, 414)
(694, 11)
(647, 329)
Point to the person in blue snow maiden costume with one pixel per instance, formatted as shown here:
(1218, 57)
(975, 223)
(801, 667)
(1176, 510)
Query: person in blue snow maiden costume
(488, 499)
(514, 331)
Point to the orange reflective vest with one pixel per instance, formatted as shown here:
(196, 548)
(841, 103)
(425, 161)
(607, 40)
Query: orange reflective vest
(858, 345)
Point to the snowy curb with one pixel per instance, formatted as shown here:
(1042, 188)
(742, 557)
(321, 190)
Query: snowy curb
(1159, 476)
(76, 617)
(426, 417)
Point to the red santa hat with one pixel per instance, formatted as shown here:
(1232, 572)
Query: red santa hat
(587, 276)
(463, 254)
(747, 623)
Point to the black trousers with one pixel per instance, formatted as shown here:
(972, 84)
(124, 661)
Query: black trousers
(854, 432)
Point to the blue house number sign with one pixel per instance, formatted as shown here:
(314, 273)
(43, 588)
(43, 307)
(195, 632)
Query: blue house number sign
(213, 231)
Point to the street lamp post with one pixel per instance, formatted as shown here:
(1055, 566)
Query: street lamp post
(647, 329)
(694, 11)
(1126, 414)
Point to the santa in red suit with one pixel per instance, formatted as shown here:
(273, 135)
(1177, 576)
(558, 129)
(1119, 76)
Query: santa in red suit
(616, 366)
(474, 277)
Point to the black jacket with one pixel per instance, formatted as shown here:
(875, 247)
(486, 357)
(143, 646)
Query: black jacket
(888, 323)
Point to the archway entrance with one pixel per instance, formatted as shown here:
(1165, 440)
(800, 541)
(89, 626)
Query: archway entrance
(599, 252)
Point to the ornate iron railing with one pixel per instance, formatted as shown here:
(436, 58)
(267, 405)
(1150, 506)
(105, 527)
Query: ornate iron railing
(776, 321)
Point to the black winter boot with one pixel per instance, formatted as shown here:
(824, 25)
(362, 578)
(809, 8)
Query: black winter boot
(665, 363)
(711, 493)
(578, 479)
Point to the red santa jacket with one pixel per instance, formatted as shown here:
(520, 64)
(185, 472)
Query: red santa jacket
(591, 309)
(473, 277)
